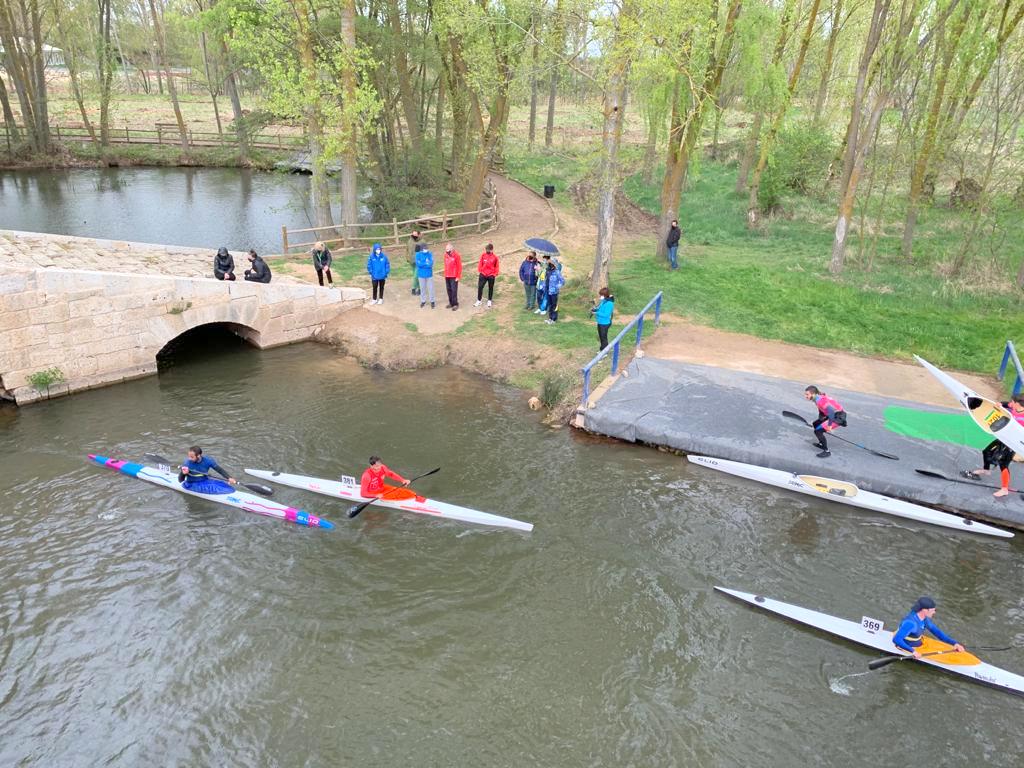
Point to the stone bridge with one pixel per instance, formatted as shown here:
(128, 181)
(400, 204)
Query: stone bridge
(98, 327)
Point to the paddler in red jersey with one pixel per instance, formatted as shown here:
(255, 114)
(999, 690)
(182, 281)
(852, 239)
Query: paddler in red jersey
(998, 454)
(831, 415)
(372, 482)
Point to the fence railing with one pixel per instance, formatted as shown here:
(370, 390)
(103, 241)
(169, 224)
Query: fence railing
(613, 348)
(167, 133)
(1010, 353)
(355, 236)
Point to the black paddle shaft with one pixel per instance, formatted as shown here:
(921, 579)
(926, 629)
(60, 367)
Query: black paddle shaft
(882, 454)
(263, 490)
(354, 511)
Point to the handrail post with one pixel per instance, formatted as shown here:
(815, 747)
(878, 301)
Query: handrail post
(639, 329)
(657, 309)
(586, 385)
(615, 358)
(1002, 365)
(284, 240)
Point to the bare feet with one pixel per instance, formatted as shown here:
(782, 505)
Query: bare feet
(1001, 492)
(981, 472)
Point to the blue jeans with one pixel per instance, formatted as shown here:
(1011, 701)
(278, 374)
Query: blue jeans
(672, 250)
(531, 295)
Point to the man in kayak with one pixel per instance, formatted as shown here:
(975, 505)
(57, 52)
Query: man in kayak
(831, 415)
(194, 474)
(998, 453)
(372, 482)
(912, 628)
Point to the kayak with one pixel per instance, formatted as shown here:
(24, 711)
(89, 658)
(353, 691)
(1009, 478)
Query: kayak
(848, 493)
(870, 632)
(229, 496)
(404, 499)
(991, 416)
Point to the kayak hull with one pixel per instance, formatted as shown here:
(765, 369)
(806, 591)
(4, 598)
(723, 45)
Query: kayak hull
(989, 415)
(404, 499)
(237, 499)
(848, 493)
(963, 664)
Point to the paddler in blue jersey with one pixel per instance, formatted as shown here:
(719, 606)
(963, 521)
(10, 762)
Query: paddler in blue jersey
(195, 473)
(912, 628)
(830, 416)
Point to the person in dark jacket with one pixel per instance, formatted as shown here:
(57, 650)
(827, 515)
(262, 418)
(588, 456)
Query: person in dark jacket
(553, 286)
(672, 242)
(602, 313)
(258, 271)
(410, 256)
(322, 263)
(528, 276)
(379, 268)
(224, 265)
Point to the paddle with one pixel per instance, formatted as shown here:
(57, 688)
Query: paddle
(940, 476)
(792, 415)
(357, 509)
(886, 660)
(263, 490)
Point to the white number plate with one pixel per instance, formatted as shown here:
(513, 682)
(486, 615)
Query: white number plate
(871, 626)
(348, 480)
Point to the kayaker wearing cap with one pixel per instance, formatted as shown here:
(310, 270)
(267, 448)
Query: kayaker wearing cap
(912, 628)
(194, 474)
(831, 416)
(372, 482)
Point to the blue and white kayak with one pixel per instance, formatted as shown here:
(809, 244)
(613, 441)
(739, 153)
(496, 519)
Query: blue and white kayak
(228, 494)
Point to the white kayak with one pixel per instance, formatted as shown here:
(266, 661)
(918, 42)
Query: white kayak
(870, 632)
(986, 413)
(847, 493)
(405, 499)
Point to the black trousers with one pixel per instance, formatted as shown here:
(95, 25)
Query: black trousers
(489, 282)
(602, 335)
(379, 284)
(553, 306)
(320, 276)
(997, 454)
(451, 285)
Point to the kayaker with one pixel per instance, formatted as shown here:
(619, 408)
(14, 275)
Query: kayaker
(831, 416)
(372, 481)
(194, 474)
(912, 628)
(998, 453)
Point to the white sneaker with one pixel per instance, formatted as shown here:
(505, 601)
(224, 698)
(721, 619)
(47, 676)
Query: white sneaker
(476, 303)
(538, 311)
(380, 301)
(549, 321)
(489, 304)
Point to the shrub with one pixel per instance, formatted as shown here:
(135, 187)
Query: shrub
(798, 163)
(43, 380)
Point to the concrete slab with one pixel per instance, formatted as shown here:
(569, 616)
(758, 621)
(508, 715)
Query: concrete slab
(737, 415)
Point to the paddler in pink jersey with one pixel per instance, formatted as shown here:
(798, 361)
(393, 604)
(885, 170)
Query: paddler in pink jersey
(372, 482)
(998, 454)
(831, 415)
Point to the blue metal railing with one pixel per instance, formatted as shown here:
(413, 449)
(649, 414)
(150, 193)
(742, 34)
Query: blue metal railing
(1011, 354)
(613, 347)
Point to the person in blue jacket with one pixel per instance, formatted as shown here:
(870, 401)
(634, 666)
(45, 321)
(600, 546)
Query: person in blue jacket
(602, 313)
(379, 268)
(553, 285)
(194, 474)
(425, 273)
(528, 277)
(915, 624)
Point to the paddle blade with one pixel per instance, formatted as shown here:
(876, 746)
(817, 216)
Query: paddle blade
(797, 416)
(263, 490)
(932, 473)
(156, 459)
(883, 662)
(353, 511)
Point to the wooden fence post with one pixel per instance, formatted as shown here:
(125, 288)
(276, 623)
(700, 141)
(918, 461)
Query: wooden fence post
(127, 136)
(444, 224)
(284, 240)
(394, 229)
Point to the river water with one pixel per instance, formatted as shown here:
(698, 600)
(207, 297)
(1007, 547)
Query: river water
(201, 207)
(143, 627)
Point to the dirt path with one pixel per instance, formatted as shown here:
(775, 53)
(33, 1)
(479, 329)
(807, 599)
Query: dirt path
(679, 339)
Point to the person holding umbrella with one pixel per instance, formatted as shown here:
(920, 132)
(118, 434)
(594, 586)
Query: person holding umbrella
(528, 277)
(548, 250)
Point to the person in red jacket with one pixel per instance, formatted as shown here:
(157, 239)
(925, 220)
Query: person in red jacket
(452, 275)
(488, 269)
(372, 482)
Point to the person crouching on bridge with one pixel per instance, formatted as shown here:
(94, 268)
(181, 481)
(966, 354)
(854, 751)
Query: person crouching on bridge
(224, 265)
(258, 271)
(379, 268)
(831, 416)
(322, 263)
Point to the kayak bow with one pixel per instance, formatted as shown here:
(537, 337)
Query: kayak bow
(234, 498)
(404, 499)
(870, 633)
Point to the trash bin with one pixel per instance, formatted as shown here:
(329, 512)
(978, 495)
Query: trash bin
(549, 191)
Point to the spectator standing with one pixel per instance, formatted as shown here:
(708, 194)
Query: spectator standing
(555, 281)
(452, 275)
(488, 270)
(672, 242)
(224, 265)
(322, 263)
(528, 277)
(425, 273)
(258, 271)
(410, 256)
(602, 313)
(379, 268)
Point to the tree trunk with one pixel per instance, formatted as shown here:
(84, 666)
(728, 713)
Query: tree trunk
(349, 192)
(439, 118)
(231, 87)
(314, 126)
(211, 86)
(12, 127)
(172, 91)
(608, 178)
(488, 144)
(835, 20)
(533, 90)
(651, 148)
(749, 153)
(558, 45)
(70, 61)
(105, 64)
(405, 91)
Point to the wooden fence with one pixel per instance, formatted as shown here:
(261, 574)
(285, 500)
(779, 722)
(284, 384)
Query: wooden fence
(359, 236)
(167, 134)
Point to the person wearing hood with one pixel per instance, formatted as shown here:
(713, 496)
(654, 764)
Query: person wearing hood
(425, 273)
(602, 313)
(553, 286)
(379, 268)
(258, 271)
(322, 263)
(672, 243)
(452, 275)
(528, 277)
(910, 635)
(224, 265)
(410, 256)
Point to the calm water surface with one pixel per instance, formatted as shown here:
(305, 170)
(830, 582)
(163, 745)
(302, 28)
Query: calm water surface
(201, 207)
(142, 627)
